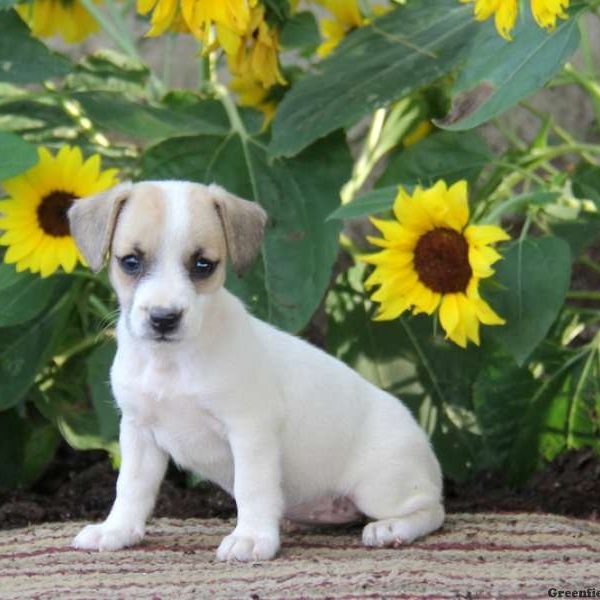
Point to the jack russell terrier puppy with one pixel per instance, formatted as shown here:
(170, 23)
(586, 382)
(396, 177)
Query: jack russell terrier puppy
(285, 428)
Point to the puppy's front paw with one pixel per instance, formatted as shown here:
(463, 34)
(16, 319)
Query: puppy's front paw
(248, 548)
(102, 537)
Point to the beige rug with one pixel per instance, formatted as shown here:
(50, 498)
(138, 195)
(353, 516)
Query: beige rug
(474, 556)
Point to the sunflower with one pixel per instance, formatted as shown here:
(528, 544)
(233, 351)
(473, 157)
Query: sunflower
(34, 218)
(545, 13)
(251, 93)
(346, 17)
(255, 54)
(198, 15)
(239, 27)
(68, 18)
(432, 259)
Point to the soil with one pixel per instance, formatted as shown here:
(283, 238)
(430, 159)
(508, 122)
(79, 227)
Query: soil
(81, 486)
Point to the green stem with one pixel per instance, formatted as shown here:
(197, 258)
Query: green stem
(583, 295)
(232, 112)
(366, 161)
(565, 136)
(589, 84)
(509, 135)
(83, 345)
(586, 49)
(591, 263)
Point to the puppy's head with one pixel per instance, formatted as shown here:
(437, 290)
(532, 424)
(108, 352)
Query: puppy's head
(168, 244)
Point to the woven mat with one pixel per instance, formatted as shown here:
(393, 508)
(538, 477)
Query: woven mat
(474, 556)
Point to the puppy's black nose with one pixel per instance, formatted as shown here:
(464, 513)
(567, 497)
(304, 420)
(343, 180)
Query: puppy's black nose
(165, 320)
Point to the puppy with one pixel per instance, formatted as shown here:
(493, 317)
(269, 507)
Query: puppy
(285, 428)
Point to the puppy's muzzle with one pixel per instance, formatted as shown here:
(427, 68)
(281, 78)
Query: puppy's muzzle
(164, 320)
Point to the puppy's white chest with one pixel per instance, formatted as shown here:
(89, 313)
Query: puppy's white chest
(179, 418)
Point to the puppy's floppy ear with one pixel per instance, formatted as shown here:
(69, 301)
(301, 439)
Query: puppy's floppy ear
(243, 223)
(93, 221)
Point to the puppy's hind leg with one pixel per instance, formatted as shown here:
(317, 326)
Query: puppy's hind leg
(405, 503)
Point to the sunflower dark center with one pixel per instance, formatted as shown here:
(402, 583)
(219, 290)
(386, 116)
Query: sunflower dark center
(441, 259)
(52, 213)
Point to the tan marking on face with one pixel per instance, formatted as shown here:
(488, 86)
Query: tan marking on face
(206, 234)
(139, 228)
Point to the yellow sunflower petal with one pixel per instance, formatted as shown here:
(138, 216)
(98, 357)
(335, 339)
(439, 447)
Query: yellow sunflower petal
(457, 197)
(485, 234)
(49, 261)
(425, 300)
(17, 236)
(459, 335)
(486, 314)
(411, 213)
(481, 260)
(71, 166)
(21, 191)
(67, 254)
(145, 6)
(392, 310)
(18, 251)
(469, 318)
(394, 288)
(449, 313)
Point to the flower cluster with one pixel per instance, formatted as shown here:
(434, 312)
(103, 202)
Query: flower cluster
(545, 13)
(433, 259)
(346, 15)
(67, 18)
(239, 27)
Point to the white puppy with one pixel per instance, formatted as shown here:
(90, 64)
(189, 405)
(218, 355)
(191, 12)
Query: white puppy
(279, 424)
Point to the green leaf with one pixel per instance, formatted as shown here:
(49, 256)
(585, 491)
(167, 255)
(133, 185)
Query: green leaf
(586, 183)
(581, 405)
(17, 155)
(24, 59)
(287, 283)
(445, 155)
(40, 447)
(301, 31)
(499, 73)
(109, 70)
(530, 287)
(13, 437)
(519, 204)
(82, 432)
(552, 420)
(579, 233)
(397, 54)
(23, 349)
(115, 113)
(98, 378)
(27, 114)
(4, 4)
(77, 422)
(24, 296)
(501, 396)
(375, 201)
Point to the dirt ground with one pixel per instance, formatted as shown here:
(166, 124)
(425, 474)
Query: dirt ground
(82, 486)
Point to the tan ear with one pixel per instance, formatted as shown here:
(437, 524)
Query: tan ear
(243, 224)
(93, 221)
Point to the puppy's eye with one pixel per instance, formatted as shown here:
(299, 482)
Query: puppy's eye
(202, 268)
(132, 264)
